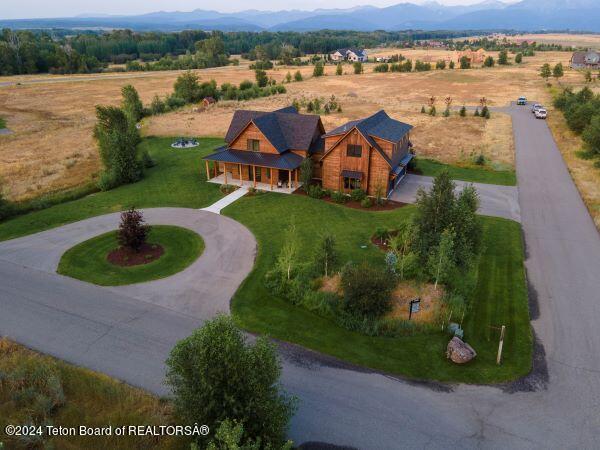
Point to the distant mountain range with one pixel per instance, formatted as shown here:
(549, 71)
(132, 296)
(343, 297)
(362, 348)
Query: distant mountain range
(526, 15)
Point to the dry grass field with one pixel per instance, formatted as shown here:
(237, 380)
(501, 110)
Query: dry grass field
(52, 116)
(575, 40)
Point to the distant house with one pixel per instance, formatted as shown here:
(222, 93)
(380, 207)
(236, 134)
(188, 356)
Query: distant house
(383, 59)
(585, 60)
(349, 54)
(266, 149)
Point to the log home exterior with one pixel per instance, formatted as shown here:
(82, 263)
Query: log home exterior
(269, 147)
(369, 154)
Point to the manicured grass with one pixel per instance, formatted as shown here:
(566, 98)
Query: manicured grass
(87, 260)
(178, 179)
(499, 298)
(91, 399)
(474, 174)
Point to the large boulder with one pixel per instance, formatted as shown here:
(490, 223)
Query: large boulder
(459, 352)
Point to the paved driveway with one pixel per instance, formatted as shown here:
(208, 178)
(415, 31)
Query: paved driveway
(128, 338)
(499, 201)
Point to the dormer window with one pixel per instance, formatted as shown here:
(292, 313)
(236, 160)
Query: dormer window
(354, 150)
(253, 145)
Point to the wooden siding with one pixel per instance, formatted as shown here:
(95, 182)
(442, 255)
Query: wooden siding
(337, 160)
(252, 132)
(379, 174)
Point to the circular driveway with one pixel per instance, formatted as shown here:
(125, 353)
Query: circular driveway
(202, 290)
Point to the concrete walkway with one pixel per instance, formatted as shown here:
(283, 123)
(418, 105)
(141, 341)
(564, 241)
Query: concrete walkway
(226, 201)
(499, 201)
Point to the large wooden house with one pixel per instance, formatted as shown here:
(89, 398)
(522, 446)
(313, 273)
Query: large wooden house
(268, 148)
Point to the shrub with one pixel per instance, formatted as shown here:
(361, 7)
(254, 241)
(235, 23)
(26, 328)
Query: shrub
(432, 111)
(339, 70)
(451, 65)
(489, 62)
(174, 102)
(319, 70)
(476, 113)
(463, 111)
(306, 172)
(381, 234)
(358, 68)
(261, 78)
(157, 106)
(440, 65)
(227, 188)
(503, 58)
(423, 110)
(315, 191)
(366, 202)
(381, 67)
(216, 375)
(519, 58)
(297, 76)
(133, 231)
(480, 160)
(367, 291)
(339, 197)
(358, 195)
(147, 160)
(485, 112)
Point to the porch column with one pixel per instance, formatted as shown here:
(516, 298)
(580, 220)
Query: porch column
(207, 170)
(241, 179)
(289, 179)
(254, 176)
(296, 181)
(271, 178)
(225, 172)
(216, 170)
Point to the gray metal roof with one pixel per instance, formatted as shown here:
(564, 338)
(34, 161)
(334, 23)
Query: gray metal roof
(285, 128)
(378, 125)
(286, 161)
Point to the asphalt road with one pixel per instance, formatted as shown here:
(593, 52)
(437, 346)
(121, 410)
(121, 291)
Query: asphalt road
(558, 406)
(494, 200)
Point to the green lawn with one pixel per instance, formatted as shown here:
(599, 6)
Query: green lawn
(500, 297)
(176, 180)
(474, 174)
(87, 260)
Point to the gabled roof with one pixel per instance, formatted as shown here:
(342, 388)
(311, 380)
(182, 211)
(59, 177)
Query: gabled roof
(378, 125)
(285, 128)
(356, 51)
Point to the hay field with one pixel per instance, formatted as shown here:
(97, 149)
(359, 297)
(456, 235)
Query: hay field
(52, 116)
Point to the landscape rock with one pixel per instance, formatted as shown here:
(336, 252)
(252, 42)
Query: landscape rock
(459, 352)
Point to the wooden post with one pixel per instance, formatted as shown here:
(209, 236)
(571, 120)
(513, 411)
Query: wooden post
(207, 170)
(254, 176)
(289, 179)
(296, 182)
(225, 172)
(215, 167)
(241, 179)
(500, 345)
(271, 178)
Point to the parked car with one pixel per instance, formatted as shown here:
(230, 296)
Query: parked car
(535, 107)
(522, 101)
(541, 113)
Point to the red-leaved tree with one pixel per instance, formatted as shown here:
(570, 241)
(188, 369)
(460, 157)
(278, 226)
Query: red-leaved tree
(133, 230)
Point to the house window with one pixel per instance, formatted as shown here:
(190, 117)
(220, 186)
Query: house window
(351, 183)
(268, 173)
(354, 150)
(253, 145)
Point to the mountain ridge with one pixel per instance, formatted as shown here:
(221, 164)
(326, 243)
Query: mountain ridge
(525, 15)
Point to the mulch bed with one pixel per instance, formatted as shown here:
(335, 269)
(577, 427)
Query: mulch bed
(125, 257)
(389, 205)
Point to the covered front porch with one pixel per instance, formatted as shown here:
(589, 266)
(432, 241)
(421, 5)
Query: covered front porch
(252, 169)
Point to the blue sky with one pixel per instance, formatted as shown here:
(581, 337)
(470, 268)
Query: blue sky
(21, 9)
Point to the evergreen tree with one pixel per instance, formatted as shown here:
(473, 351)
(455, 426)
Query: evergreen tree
(503, 58)
(519, 58)
(318, 71)
(358, 67)
(261, 77)
(558, 71)
(297, 76)
(339, 69)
